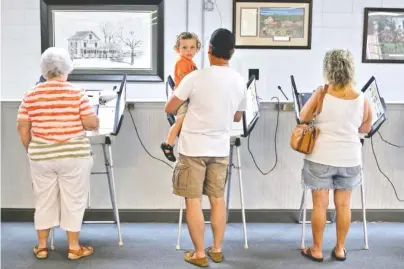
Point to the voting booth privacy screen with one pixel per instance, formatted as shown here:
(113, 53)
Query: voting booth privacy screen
(109, 106)
(251, 114)
(120, 106)
(371, 93)
(377, 105)
(299, 99)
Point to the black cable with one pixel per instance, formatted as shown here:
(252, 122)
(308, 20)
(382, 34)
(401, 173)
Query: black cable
(140, 140)
(387, 142)
(275, 142)
(380, 170)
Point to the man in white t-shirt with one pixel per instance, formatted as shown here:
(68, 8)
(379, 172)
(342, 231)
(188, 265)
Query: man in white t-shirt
(217, 97)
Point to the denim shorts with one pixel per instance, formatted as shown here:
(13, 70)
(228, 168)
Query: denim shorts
(318, 176)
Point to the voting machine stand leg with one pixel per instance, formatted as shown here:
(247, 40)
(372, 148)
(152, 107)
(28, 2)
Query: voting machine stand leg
(178, 246)
(236, 143)
(109, 167)
(52, 238)
(228, 179)
(365, 229)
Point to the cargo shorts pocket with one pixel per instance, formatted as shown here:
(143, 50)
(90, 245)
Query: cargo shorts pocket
(181, 177)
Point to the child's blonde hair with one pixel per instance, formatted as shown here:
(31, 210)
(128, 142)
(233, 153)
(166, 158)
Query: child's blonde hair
(185, 36)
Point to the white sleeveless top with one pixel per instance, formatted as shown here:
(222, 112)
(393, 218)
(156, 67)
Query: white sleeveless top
(338, 143)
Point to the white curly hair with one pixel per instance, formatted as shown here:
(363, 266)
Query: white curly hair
(339, 67)
(55, 62)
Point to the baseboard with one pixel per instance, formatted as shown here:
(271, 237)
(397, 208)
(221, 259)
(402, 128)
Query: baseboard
(171, 215)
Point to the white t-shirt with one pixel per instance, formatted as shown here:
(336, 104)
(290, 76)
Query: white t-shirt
(215, 94)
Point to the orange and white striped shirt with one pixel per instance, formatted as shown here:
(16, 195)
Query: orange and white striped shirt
(55, 110)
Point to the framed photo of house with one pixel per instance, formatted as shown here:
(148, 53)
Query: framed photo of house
(383, 35)
(272, 24)
(107, 38)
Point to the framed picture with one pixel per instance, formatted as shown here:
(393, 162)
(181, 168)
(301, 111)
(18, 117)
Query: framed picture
(383, 35)
(270, 24)
(107, 38)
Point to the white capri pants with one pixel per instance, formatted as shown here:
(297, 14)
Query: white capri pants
(61, 191)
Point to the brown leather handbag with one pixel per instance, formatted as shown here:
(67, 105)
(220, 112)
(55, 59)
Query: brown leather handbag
(304, 135)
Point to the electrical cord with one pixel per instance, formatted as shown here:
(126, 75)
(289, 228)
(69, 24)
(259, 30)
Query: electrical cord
(140, 140)
(275, 142)
(380, 170)
(387, 142)
(220, 14)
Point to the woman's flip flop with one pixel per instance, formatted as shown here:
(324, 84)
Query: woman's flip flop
(341, 259)
(309, 255)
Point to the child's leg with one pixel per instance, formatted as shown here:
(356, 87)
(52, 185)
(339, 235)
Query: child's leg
(167, 147)
(175, 130)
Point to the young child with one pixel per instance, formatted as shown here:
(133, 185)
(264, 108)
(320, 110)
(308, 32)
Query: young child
(187, 45)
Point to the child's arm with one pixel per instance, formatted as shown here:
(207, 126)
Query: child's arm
(181, 94)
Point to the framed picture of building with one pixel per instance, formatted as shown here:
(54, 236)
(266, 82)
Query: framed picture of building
(270, 24)
(107, 38)
(383, 35)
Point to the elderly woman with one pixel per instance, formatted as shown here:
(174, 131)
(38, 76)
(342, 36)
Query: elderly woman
(52, 120)
(335, 163)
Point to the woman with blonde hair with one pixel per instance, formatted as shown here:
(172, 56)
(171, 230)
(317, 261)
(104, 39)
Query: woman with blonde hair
(336, 162)
(52, 120)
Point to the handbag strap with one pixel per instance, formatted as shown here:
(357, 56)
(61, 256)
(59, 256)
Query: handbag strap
(320, 100)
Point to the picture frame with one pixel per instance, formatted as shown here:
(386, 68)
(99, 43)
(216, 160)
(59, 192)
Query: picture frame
(107, 38)
(272, 24)
(383, 35)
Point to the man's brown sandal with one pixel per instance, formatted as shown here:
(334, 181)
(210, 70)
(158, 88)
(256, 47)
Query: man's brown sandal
(200, 262)
(216, 257)
(74, 254)
(40, 253)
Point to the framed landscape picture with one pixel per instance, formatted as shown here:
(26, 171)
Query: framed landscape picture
(383, 35)
(107, 38)
(269, 24)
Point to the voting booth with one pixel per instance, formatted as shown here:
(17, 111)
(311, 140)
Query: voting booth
(379, 116)
(110, 107)
(239, 129)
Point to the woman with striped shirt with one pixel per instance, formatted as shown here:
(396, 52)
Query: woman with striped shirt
(52, 120)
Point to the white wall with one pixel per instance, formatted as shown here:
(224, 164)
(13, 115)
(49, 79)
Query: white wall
(336, 24)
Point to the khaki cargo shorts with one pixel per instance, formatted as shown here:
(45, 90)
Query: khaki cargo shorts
(182, 109)
(194, 176)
